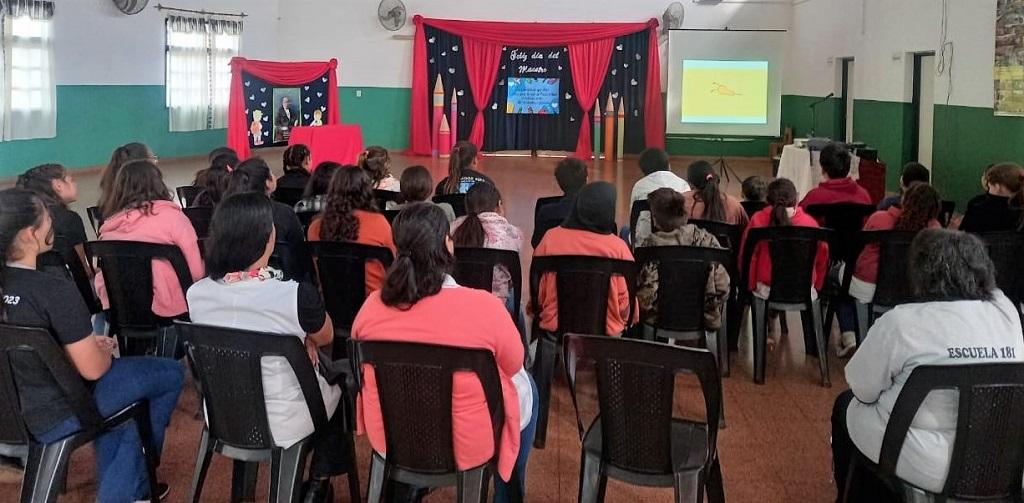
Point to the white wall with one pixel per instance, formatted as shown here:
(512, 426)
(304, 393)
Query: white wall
(96, 44)
(369, 56)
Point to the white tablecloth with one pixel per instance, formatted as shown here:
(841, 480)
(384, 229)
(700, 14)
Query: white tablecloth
(801, 166)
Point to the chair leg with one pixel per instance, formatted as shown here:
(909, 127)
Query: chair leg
(377, 479)
(42, 483)
(759, 307)
(687, 487)
(286, 469)
(714, 486)
(145, 427)
(863, 321)
(592, 481)
(722, 342)
(472, 485)
(543, 374)
(819, 338)
(243, 480)
(354, 493)
(202, 464)
(848, 487)
(734, 313)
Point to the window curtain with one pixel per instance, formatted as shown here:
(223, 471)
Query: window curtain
(28, 102)
(188, 79)
(226, 38)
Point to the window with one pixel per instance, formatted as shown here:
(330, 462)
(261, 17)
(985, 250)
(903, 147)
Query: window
(198, 76)
(28, 93)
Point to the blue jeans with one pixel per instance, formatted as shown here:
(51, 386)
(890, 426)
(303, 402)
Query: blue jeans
(120, 463)
(501, 488)
(846, 313)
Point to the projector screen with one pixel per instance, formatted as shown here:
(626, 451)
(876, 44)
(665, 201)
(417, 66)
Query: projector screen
(725, 82)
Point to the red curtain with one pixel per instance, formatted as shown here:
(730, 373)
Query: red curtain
(275, 72)
(589, 64)
(525, 35)
(482, 60)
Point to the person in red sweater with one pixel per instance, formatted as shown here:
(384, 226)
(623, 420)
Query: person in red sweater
(782, 210)
(836, 186)
(589, 230)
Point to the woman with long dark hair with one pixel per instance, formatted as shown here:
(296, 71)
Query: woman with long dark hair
(485, 226)
(215, 180)
(121, 156)
(33, 298)
(55, 186)
(706, 201)
(295, 162)
(314, 197)
(415, 305)
(462, 173)
(351, 215)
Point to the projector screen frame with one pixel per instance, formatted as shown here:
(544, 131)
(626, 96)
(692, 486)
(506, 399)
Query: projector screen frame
(675, 128)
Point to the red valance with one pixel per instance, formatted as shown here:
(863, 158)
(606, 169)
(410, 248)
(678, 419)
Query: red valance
(276, 72)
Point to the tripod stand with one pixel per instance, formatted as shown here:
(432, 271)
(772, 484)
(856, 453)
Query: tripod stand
(724, 170)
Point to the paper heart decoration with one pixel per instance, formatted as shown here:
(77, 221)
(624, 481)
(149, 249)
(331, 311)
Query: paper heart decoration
(618, 47)
(504, 48)
(572, 119)
(614, 71)
(306, 116)
(455, 48)
(633, 82)
(319, 95)
(266, 133)
(444, 53)
(247, 83)
(324, 79)
(431, 40)
(462, 114)
(615, 95)
(431, 60)
(305, 88)
(263, 89)
(568, 96)
(625, 65)
(494, 106)
(460, 93)
(307, 99)
(501, 82)
(636, 113)
(323, 109)
(638, 56)
(559, 67)
(266, 119)
(502, 67)
(252, 97)
(451, 70)
(263, 103)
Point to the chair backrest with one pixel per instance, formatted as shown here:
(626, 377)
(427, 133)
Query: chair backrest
(635, 210)
(200, 216)
(386, 196)
(547, 224)
(635, 392)
(23, 346)
(893, 285)
(390, 215)
(987, 460)
(751, 207)
(474, 268)
(682, 282)
(288, 195)
(1005, 249)
(226, 363)
(946, 211)
(582, 283)
(729, 236)
(187, 194)
(847, 220)
(793, 250)
(457, 202)
(95, 218)
(128, 275)
(292, 260)
(341, 268)
(306, 218)
(414, 383)
(79, 271)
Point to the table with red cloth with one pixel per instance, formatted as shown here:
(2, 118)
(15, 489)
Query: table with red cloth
(339, 143)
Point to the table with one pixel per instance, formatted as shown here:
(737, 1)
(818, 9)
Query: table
(801, 166)
(339, 142)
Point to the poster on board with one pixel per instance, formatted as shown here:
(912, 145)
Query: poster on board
(1008, 75)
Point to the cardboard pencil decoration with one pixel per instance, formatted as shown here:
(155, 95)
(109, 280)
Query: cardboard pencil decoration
(620, 127)
(597, 130)
(609, 130)
(453, 123)
(444, 135)
(435, 127)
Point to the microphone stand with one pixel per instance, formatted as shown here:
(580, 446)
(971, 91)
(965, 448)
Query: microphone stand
(814, 115)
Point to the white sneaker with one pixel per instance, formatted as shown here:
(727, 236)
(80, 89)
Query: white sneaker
(847, 343)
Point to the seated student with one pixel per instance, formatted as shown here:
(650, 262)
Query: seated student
(657, 174)
(571, 175)
(958, 306)
(122, 155)
(782, 211)
(314, 198)
(377, 163)
(416, 188)
(219, 151)
(707, 201)
(416, 305)
(754, 189)
(999, 208)
(485, 226)
(589, 230)
(913, 172)
(253, 175)
(836, 185)
(351, 215)
(296, 171)
(55, 187)
(462, 173)
(668, 213)
(140, 208)
(34, 298)
(243, 292)
(215, 181)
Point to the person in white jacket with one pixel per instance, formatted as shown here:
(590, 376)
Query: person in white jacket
(958, 317)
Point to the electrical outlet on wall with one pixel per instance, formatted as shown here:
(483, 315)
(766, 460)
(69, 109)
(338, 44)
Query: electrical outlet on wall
(359, 93)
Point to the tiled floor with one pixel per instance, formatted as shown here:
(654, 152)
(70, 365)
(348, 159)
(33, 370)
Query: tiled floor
(775, 447)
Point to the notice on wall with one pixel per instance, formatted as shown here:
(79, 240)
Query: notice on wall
(1008, 75)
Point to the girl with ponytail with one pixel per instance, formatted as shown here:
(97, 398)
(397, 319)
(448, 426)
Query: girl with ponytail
(485, 226)
(706, 201)
(415, 305)
(462, 173)
(33, 298)
(377, 163)
(55, 187)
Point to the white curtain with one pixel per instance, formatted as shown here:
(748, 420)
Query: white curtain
(28, 101)
(226, 37)
(188, 81)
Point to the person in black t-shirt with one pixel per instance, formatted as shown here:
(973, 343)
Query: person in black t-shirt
(461, 172)
(33, 298)
(57, 189)
(999, 209)
(296, 174)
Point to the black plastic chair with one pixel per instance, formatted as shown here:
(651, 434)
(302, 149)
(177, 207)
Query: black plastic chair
(582, 284)
(383, 197)
(390, 215)
(793, 250)
(288, 195)
(127, 268)
(543, 226)
(474, 268)
(95, 219)
(893, 286)
(751, 207)
(226, 363)
(414, 383)
(76, 269)
(1006, 249)
(635, 437)
(946, 211)
(46, 464)
(341, 269)
(306, 218)
(200, 216)
(635, 210)
(729, 236)
(683, 273)
(187, 195)
(293, 261)
(457, 202)
(987, 460)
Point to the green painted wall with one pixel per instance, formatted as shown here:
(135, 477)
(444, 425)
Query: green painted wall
(889, 127)
(966, 140)
(796, 113)
(383, 112)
